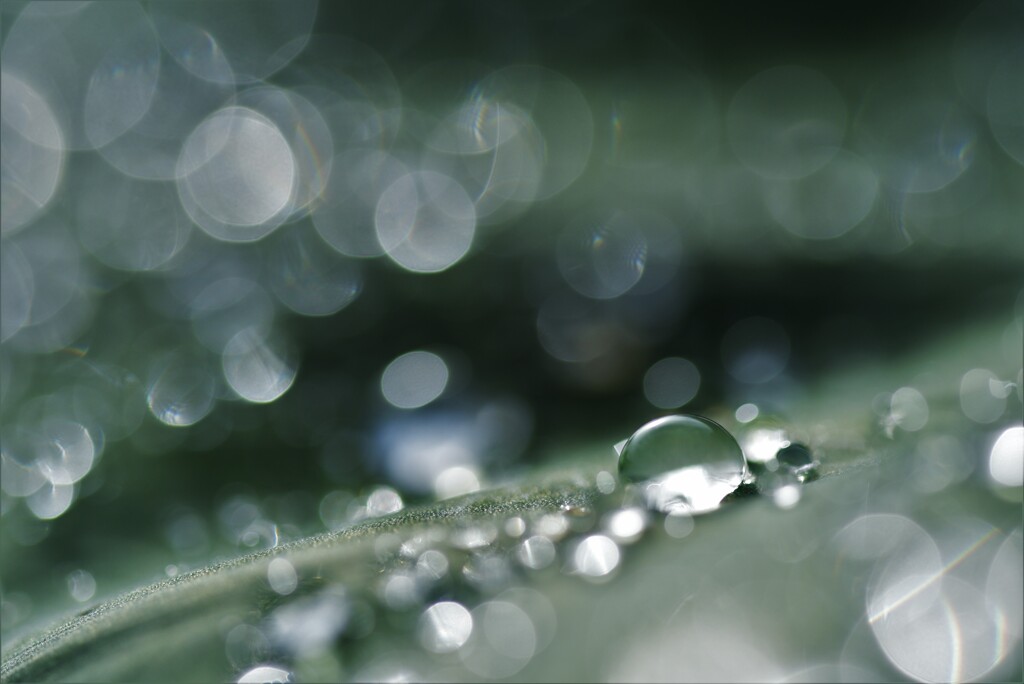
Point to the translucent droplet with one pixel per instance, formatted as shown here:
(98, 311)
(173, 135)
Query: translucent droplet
(684, 462)
(266, 674)
(798, 460)
(81, 585)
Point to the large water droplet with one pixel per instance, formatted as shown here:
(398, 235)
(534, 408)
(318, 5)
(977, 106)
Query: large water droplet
(683, 462)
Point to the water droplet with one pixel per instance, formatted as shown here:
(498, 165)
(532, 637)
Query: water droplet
(798, 460)
(683, 461)
(554, 526)
(266, 674)
(383, 501)
(515, 526)
(474, 537)
(81, 585)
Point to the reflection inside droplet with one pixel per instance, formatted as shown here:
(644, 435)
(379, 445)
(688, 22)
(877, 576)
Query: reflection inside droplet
(683, 461)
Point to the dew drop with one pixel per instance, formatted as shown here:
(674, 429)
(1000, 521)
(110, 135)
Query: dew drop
(798, 460)
(683, 461)
(266, 674)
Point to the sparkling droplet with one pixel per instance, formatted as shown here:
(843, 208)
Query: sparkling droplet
(798, 460)
(683, 461)
(266, 674)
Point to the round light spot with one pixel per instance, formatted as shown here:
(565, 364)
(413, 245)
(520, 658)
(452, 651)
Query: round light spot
(281, 576)
(445, 627)
(536, 552)
(127, 224)
(1006, 461)
(52, 499)
(596, 557)
(747, 412)
(256, 37)
(307, 135)
(181, 390)
(308, 277)
(33, 153)
(255, 370)
(425, 222)
(679, 523)
(755, 350)
(237, 175)
(786, 122)
(557, 108)
(345, 214)
(671, 383)
(456, 481)
(827, 203)
(603, 259)
(414, 379)
(977, 400)
(916, 144)
(953, 636)
(626, 525)
(503, 642)
(17, 287)
(98, 66)
(81, 585)
(1003, 586)
(909, 409)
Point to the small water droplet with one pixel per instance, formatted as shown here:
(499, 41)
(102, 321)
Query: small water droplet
(798, 460)
(515, 526)
(266, 674)
(383, 501)
(81, 585)
(683, 461)
(474, 537)
(554, 526)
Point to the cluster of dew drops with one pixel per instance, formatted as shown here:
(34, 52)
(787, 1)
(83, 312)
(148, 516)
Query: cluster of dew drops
(670, 470)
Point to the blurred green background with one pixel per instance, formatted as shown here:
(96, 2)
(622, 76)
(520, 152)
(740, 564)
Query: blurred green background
(226, 224)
